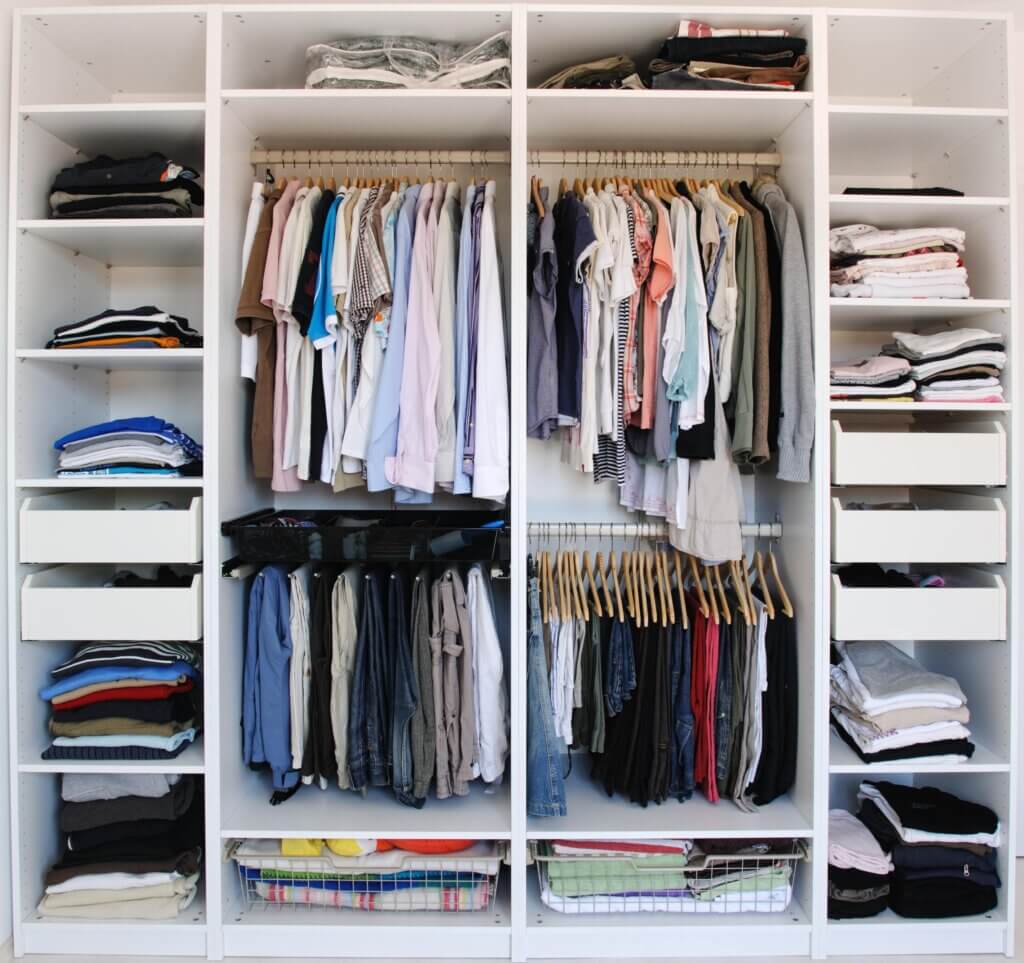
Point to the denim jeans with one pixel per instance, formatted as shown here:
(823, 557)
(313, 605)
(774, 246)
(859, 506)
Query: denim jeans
(619, 668)
(364, 726)
(682, 784)
(545, 785)
(406, 696)
(723, 707)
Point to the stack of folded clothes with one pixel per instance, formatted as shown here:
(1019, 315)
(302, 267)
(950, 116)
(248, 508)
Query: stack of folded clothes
(888, 707)
(858, 869)
(608, 73)
(916, 262)
(953, 365)
(130, 847)
(943, 849)
(124, 700)
(149, 186)
(701, 57)
(878, 378)
(143, 327)
(404, 875)
(666, 876)
(129, 446)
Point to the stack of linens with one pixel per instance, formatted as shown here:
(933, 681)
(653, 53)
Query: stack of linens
(878, 378)
(142, 327)
(953, 365)
(129, 446)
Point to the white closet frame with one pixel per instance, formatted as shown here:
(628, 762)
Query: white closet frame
(90, 78)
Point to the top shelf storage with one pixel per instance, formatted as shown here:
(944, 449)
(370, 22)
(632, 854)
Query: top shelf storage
(265, 48)
(924, 60)
(98, 56)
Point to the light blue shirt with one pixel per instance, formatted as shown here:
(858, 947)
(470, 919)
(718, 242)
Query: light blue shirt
(383, 441)
(322, 306)
(462, 483)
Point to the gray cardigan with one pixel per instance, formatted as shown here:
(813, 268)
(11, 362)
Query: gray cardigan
(796, 423)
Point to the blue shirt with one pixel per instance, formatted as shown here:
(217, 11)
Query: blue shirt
(150, 425)
(322, 306)
(114, 673)
(383, 440)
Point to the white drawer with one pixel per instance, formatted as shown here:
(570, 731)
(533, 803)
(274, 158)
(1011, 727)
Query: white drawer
(70, 602)
(972, 610)
(112, 527)
(961, 453)
(947, 527)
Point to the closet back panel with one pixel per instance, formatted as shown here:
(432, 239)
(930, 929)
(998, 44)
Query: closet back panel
(266, 47)
(38, 846)
(560, 37)
(874, 58)
(66, 56)
(35, 660)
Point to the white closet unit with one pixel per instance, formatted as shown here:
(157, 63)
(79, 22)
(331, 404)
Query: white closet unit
(893, 99)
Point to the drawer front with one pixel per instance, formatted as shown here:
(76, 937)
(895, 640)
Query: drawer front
(918, 458)
(112, 614)
(918, 536)
(867, 614)
(111, 536)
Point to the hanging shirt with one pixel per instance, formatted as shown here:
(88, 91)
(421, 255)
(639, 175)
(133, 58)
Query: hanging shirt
(469, 438)
(384, 423)
(490, 463)
(462, 484)
(413, 462)
(689, 385)
(300, 669)
(541, 351)
(249, 350)
(444, 282)
(492, 720)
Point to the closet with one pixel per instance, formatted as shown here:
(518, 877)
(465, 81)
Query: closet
(892, 100)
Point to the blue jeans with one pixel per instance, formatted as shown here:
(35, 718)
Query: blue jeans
(619, 668)
(406, 696)
(367, 732)
(545, 785)
(682, 782)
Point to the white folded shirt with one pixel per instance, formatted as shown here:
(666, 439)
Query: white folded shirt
(860, 238)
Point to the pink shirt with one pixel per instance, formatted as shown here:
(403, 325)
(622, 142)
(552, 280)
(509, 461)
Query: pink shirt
(412, 465)
(282, 481)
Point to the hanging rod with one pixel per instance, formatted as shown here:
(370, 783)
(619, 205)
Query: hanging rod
(655, 158)
(588, 158)
(638, 529)
(311, 158)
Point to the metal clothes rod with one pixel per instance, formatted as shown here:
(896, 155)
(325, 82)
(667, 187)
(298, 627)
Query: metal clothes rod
(638, 529)
(588, 158)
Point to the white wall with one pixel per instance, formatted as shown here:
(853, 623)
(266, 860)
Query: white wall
(6, 8)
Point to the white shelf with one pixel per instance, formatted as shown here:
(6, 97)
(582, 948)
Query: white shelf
(190, 761)
(110, 482)
(843, 760)
(119, 129)
(884, 313)
(357, 119)
(894, 211)
(918, 406)
(887, 935)
(127, 242)
(660, 119)
(592, 814)
(313, 812)
(119, 359)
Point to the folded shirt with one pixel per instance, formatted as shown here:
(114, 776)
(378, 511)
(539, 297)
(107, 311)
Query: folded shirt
(851, 845)
(925, 814)
(161, 908)
(780, 50)
(703, 75)
(126, 654)
(864, 238)
(82, 787)
(891, 390)
(162, 743)
(936, 261)
(870, 740)
(145, 321)
(177, 708)
(117, 726)
(153, 202)
(104, 173)
(940, 344)
(108, 471)
(624, 847)
(150, 425)
(896, 718)
(113, 673)
(95, 896)
(696, 28)
(946, 752)
(104, 812)
(880, 288)
(870, 371)
(122, 689)
(923, 370)
(158, 454)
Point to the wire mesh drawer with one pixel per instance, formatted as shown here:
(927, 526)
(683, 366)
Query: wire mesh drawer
(394, 881)
(709, 876)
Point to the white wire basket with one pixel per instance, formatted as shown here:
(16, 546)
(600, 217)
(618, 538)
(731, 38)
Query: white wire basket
(734, 876)
(394, 881)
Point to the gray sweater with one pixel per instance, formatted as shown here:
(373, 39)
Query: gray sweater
(796, 423)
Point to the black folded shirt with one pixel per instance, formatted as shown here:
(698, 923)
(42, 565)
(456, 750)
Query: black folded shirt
(740, 51)
(944, 747)
(178, 708)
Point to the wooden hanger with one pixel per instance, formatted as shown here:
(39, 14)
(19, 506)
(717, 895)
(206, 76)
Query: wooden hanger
(723, 601)
(667, 582)
(552, 587)
(627, 578)
(681, 588)
(787, 605)
(652, 601)
(602, 572)
(563, 608)
(654, 581)
(582, 609)
(543, 588)
(595, 597)
(715, 617)
(639, 590)
(740, 591)
(535, 185)
(615, 580)
(282, 183)
(701, 597)
(763, 583)
(659, 582)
